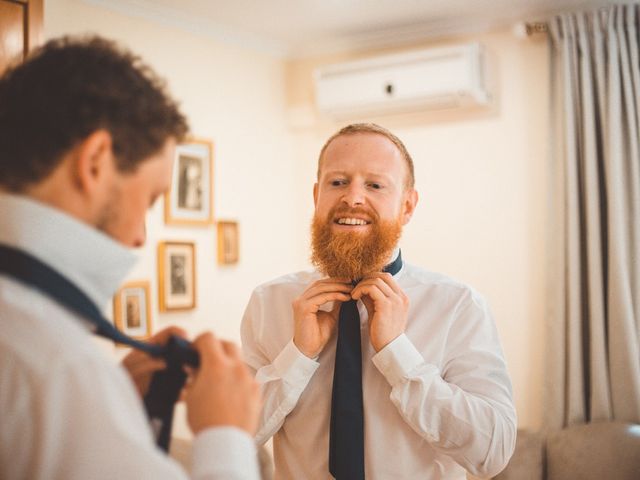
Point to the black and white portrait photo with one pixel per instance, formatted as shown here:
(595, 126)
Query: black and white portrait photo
(178, 281)
(189, 200)
(176, 276)
(131, 309)
(190, 182)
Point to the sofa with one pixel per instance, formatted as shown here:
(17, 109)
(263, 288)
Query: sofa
(594, 451)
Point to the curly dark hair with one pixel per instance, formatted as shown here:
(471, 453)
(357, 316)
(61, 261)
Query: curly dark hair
(68, 89)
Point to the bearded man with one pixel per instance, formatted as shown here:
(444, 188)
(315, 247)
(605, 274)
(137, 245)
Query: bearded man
(381, 370)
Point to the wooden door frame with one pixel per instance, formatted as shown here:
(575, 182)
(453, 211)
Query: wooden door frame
(33, 23)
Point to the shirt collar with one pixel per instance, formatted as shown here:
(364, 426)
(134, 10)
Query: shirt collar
(394, 255)
(93, 261)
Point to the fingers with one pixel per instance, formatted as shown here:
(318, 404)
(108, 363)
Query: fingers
(209, 348)
(163, 335)
(149, 366)
(387, 278)
(336, 310)
(231, 349)
(213, 350)
(323, 298)
(222, 392)
(373, 287)
(382, 281)
(375, 292)
(336, 280)
(321, 292)
(326, 286)
(137, 361)
(305, 305)
(140, 366)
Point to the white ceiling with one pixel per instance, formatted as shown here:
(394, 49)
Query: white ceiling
(298, 28)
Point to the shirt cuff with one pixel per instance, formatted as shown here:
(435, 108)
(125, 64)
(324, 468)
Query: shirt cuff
(396, 360)
(293, 366)
(225, 452)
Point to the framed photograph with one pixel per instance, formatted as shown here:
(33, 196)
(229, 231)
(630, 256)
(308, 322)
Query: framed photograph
(228, 250)
(189, 201)
(132, 311)
(176, 276)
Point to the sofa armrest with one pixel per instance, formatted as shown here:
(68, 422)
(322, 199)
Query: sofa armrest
(528, 460)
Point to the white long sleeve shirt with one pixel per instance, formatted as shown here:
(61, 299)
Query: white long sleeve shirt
(67, 410)
(437, 399)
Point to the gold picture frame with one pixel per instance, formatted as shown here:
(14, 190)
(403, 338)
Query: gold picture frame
(189, 200)
(228, 242)
(132, 309)
(176, 276)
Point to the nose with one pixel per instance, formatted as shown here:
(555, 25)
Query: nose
(141, 236)
(354, 195)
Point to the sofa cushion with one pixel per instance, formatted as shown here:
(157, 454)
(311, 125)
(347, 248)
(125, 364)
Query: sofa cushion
(595, 451)
(527, 462)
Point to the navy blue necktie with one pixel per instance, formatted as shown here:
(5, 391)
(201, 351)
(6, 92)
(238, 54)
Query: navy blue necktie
(165, 385)
(346, 434)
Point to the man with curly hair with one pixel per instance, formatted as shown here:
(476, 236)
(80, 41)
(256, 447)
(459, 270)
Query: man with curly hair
(87, 141)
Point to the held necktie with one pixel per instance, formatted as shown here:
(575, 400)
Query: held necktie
(165, 385)
(346, 432)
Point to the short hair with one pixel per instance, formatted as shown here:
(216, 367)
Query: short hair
(377, 129)
(68, 89)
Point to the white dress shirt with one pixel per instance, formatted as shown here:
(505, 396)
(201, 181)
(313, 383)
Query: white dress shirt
(68, 410)
(437, 399)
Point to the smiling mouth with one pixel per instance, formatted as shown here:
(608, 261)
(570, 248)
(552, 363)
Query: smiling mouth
(351, 221)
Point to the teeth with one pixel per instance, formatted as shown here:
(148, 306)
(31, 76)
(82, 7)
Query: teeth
(351, 221)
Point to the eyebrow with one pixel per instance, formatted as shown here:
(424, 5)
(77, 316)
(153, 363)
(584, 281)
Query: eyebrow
(382, 176)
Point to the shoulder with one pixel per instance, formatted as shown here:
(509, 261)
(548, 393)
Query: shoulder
(39, 335)
(416, 277)
(273, 299)
(444, 287)
(49, 351)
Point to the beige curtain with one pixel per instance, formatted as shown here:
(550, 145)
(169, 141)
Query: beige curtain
(593, 355)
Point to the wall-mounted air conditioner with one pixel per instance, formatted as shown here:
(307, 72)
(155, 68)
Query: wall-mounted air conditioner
(429, 79)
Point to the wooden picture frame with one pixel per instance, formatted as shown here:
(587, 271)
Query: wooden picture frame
(228, 242)
(132, 309)
(176, 276)
(189, 200)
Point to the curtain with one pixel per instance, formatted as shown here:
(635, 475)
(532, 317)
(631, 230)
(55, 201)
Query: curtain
(593, 335)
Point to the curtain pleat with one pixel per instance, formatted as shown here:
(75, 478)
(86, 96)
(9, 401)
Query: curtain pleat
(594, 318)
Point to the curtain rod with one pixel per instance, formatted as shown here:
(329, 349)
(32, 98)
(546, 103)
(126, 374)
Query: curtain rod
(535, 27)
(527, 29)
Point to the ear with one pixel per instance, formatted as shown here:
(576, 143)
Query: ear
(93, 161)
(409, 202)
(315, 194)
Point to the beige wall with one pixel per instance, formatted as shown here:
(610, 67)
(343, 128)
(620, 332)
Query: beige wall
(480, 174)
(481, 179)
(236, 98)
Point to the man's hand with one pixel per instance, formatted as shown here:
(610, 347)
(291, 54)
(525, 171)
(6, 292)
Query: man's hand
(314, 327)
(222, 391)
(387, 305)
(141, 366)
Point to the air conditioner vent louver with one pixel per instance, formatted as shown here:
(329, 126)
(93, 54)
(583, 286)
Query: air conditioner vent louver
(421, 80)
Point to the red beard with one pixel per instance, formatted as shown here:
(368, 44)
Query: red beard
(353, 255)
